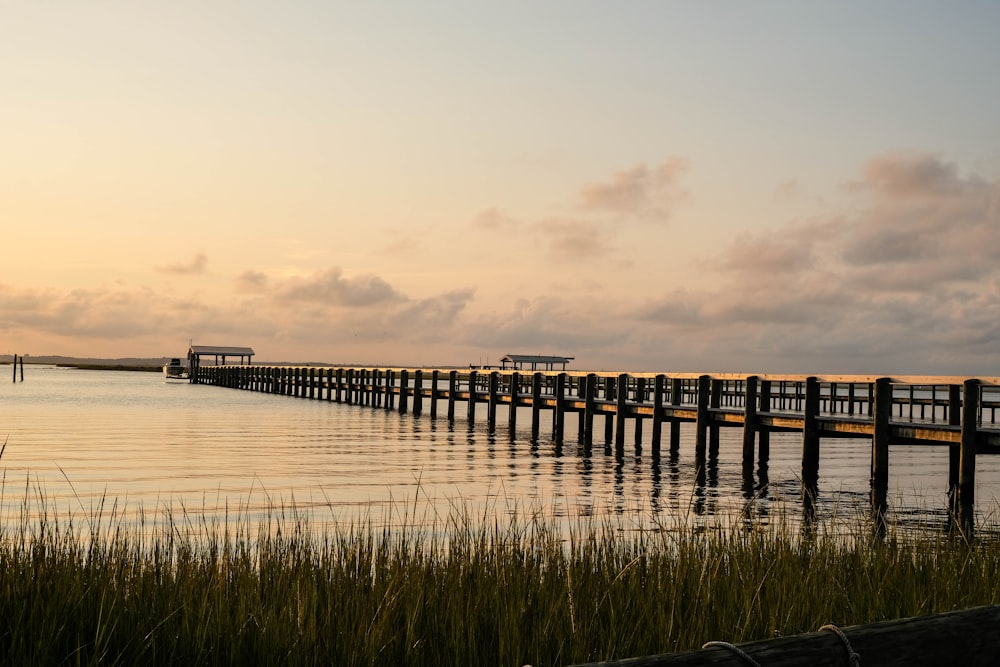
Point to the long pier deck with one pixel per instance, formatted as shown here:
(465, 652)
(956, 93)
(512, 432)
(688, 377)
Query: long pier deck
(955, 412)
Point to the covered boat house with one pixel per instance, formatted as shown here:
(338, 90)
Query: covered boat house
(197, 353)
(534, 362)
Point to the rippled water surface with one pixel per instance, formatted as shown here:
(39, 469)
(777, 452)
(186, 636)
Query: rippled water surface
(79, 436)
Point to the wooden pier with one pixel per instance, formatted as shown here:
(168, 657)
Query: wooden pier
(954, 412)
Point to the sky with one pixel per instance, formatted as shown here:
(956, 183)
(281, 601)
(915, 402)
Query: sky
(773, 187)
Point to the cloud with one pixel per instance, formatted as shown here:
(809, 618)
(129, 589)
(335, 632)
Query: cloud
(640, 192)
(331, 288)
(251, 281)
(569, 239)
(196, 266)
(494, 218)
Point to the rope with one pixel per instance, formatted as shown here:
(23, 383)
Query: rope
(853, 659)
(735, 649)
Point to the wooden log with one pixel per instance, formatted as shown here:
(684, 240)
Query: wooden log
(967, 637)
(967, 457)
(880, 452)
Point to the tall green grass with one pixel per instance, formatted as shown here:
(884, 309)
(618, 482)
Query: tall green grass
(467, 590)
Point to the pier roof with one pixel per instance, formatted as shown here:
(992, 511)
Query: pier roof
(198, 351)
(534, 361)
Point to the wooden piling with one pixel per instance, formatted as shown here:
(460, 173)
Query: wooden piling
(622, 410)
(659, 383)
(764, 435)
(954, 452)
(749, 422)
(435, 392)
(880, 452)
(536, 404)
(404, 383)
(715, 401)
(515, 389)
(418, 392)
(452, 390)
(559, 421)
(493, 387)
(473, 379)
(676, 396)
(810, 432)
(967, 457)
(589, 403)
(701, 428)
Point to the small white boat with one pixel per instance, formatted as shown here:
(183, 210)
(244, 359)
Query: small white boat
(175, 369)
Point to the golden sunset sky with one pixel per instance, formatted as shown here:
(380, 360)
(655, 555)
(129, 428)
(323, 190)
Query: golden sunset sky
(656, 186)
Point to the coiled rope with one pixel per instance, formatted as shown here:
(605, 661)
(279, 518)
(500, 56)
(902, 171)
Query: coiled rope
(853, 659)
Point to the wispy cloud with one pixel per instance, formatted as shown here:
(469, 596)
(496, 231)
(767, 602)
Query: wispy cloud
(197, 266)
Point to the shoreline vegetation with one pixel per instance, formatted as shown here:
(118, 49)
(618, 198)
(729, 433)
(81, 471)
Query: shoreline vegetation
(180, 589)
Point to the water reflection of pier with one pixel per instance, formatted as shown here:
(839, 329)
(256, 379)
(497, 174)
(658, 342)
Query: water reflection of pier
(957, 413)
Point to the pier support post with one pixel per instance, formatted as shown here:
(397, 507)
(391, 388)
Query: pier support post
(515, 388)
(473, 381)
(763, 435)
(810, 446)
(701, 436)
(880, 452)
(536, 403)
(967, 458)
(621, 410)
(590, 394)
(658, 387)
(713, 430)
(350, 386)
(452, 390)
(954, 452)
(676, 393)
(610, 389)
(312, 383)
(494, 397)
(640, 398)
(435, 377)
(749, 423)
(404, 381)
(418, 392)
(559, 423)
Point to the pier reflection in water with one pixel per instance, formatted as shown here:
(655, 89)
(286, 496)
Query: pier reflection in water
(81, 436)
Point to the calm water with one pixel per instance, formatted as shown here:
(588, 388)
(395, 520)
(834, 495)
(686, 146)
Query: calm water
(151, 444)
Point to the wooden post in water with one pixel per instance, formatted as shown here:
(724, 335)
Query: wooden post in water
(763, 435)
(658, 387)
(515, 387)
(749, 423)
(590, 393)
(559, 422)
(954, 452)
(676, 392)
(880, 452)
(435, 377)
(610, 389)
(312, 383)
(536, 403)
(621, 410)
(967, 457)
(14, 367)
(494, 397)
(713, 431)
(701, 436)
(349, 391)
(473, 380)
(418, 392)
(404, 382)
(640, 398)
(810, 446)
(452, 390)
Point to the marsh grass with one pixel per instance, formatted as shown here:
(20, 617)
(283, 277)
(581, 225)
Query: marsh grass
(182, 589)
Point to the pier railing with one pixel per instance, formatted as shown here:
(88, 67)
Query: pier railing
(955, 412)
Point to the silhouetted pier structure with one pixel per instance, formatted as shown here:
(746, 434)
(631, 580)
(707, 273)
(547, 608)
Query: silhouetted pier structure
(954, 412)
